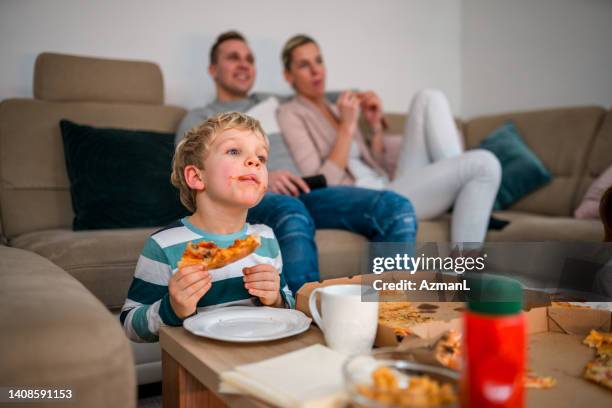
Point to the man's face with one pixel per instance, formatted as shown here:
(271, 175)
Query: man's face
(234, 71)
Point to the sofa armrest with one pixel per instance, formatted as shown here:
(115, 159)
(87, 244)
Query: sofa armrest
(56, 334)
(605, 212)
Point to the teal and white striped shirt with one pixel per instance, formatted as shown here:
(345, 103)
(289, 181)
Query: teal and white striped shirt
(147, 306)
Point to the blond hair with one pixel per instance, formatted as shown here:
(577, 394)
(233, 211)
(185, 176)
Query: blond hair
(291, 44)
(193, 148)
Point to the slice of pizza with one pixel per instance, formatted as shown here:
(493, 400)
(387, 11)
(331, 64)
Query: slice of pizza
(241, 248)
(211, 256)
(448, 350)
(600, 371)
(400, 315)
(600, 341)
(198, 254)
(533, 380)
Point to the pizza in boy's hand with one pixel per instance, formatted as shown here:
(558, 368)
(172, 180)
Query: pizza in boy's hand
(212, 257)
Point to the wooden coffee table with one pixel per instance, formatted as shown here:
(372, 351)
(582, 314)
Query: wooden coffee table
(191, 365)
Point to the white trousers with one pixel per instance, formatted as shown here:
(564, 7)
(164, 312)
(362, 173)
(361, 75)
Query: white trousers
(435, 173)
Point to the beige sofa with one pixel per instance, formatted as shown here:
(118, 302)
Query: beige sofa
(36, 211)
(574, 143)
(57, 335)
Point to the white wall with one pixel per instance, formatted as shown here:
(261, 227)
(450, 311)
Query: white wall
(487, 55)
(393, 46)
(523, 54)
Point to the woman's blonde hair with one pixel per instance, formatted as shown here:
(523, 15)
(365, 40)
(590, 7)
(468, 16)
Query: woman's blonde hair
(291, 44)
(193, 148)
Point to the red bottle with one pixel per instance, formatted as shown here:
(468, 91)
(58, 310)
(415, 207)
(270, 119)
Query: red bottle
(494, 341)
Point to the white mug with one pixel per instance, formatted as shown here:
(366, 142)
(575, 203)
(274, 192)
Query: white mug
(348, 324)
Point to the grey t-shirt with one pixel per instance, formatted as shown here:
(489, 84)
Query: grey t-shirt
(278, 158)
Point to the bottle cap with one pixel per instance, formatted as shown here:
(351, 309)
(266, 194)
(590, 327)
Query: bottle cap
(494, 295)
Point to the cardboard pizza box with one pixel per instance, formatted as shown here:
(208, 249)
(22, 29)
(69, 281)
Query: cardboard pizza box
(571, 320)
(556, 349)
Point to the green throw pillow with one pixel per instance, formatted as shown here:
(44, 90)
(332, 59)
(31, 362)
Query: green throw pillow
(522, 170)
(120, 178)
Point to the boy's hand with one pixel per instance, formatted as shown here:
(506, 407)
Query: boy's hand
(186, 288)
(263, 281)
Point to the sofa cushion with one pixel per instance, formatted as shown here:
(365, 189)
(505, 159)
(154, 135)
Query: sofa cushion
(34, 186)
(589, 207)
(71, 78)
(533, 227)
(102, 260)
(598, 159)
(523, 227)
(56, 334)
(437, 230)
(120, 178)
(522, 171)
(561, 138)
(606, 213)
(339, 253)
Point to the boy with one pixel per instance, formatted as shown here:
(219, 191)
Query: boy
(220, 171)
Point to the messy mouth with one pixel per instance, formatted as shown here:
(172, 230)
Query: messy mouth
(248, 177)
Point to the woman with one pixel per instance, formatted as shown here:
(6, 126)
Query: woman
(433, 170)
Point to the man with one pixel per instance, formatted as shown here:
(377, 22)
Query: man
(290, 208)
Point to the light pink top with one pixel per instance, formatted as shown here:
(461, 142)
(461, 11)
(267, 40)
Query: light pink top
(310, 138)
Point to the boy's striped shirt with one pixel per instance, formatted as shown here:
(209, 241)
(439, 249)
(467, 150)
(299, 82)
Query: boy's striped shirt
(148, 304)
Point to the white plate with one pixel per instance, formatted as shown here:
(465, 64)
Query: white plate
(246, 324)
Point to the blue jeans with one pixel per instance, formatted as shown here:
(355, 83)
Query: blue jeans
(294, 230)
(380, 216)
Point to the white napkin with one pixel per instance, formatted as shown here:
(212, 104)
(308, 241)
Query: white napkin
(306, 378)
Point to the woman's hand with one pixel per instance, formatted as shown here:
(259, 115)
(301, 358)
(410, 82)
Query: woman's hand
(263, 281)
(348, 106)
(186, 287)
(371, 106)
(287, 183)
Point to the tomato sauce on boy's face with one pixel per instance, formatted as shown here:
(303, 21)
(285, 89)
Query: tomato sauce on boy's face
(235, 168)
